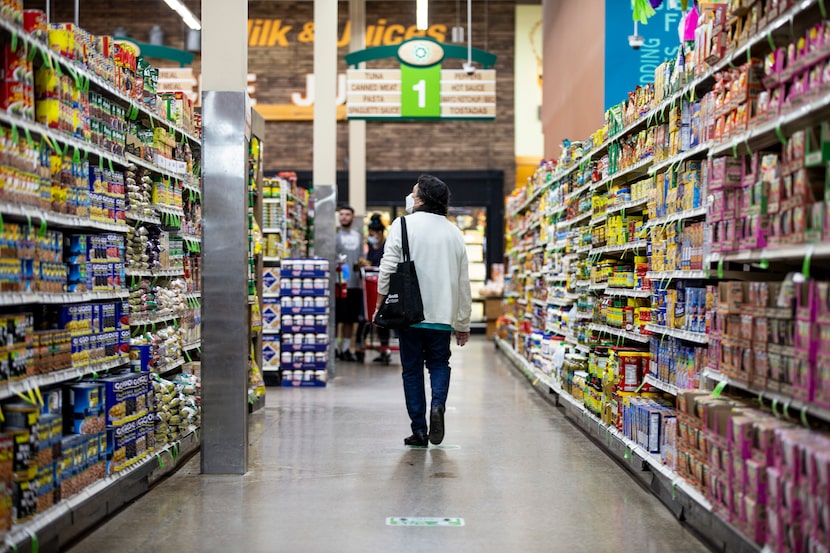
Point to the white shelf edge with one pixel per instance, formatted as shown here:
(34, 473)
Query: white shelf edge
(626, 205)
(151, 273)
(11, 388)
(677, 275)
(633, 336)
(196, 344)
(622, 173)
(696, 337)
(786, 402)
(155, 321)
(19, 298)
(796, 252)
(660, 385)
(674, 217)
(629, 293)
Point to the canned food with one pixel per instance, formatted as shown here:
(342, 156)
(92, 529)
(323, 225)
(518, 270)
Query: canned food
(20, 415)
(299, 339)
(320, 357)
(322, 339)
(308, 357)
(298, 357)
(287, 320)
(308, 301)
(286, 357)
(321, 301)
(309, 339)
(308, 320)
(287, 338)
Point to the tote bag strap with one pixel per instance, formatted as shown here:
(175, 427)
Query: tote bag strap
(405, 240)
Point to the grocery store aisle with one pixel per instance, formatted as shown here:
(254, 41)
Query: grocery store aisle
(328, 467)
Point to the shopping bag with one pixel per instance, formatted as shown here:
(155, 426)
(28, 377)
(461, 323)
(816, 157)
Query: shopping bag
(403, 306)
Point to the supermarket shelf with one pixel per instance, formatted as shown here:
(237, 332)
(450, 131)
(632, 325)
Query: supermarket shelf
(12, 388)
(270, 331)
(628, 292)
(785, 402)
(145, 321)
(598, 286)
(571, 339)
(56, 136)
(93, 78)
(169, 209)
(625, 449)
(583, 250)
(142, 218)
(26, 212)
(627, 206)
(634, 171)
(795, 252)
(553, 277)
(187, 185)
(767, 134)
(272, 230)
(271, 200)
(599, 219)
(170, 367)
(561, 302)
(620, 248)
(582, 283)
(571, 222)
(619, 332)
(699, 150)
(196, 344)
(70, 518)
(556, 210)
(531, 199)
(697, 337)
(23, 298)
(651, 380)
(540, 303)
(681, 216)
(271, 258)
(157, 273)
(577, 192)
(678, 275)
(557, 246)
(193, 295)
(150, 166)
(192, 238)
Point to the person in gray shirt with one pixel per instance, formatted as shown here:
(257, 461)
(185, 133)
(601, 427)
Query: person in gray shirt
(349, 310)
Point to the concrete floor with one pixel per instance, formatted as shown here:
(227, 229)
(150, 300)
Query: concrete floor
(328, 466)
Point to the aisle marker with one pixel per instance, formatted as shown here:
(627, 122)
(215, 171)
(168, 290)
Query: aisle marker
(425, 521)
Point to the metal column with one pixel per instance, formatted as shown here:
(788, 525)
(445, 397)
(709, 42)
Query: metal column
(226, 118)
(225, 324)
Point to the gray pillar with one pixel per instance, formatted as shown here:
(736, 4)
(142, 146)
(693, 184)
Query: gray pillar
(357, 127)
(225, 324)
(325, 204)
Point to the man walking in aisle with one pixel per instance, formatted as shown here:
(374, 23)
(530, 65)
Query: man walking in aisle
(440, 255)
(347, 311)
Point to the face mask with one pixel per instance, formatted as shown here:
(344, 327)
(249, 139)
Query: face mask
(410, 204)
(373, 240)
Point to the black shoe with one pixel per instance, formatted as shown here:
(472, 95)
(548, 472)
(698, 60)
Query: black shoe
(436, 424)
(347, 356)
(359, 356)
(384, 358)
(417, 440)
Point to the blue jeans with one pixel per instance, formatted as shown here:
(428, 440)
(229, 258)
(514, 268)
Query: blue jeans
(419, 346)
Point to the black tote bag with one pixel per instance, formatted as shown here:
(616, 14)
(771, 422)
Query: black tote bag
(403, 306)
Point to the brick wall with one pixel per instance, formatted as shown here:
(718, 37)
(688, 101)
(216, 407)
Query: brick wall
(282, 69)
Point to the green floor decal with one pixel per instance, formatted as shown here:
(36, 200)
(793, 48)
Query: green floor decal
(424, 521)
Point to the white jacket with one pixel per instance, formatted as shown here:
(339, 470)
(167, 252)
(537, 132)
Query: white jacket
(440, 255)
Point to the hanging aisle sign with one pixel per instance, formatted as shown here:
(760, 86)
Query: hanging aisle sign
(420, 89)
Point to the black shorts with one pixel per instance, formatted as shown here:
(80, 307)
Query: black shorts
(349, 309)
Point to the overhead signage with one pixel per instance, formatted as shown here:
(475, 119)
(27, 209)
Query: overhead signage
(420, 89)
(626, 68)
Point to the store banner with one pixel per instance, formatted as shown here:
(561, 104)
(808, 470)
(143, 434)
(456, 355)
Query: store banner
(625, 67)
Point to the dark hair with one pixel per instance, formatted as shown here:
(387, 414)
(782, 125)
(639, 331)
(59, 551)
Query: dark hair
(346, 207)
(376, 224)
(434, 193)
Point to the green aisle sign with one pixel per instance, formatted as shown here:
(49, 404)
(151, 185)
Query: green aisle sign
(420, 91)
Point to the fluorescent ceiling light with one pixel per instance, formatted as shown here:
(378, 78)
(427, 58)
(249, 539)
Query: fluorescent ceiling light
(422, 15)
(187, 16)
